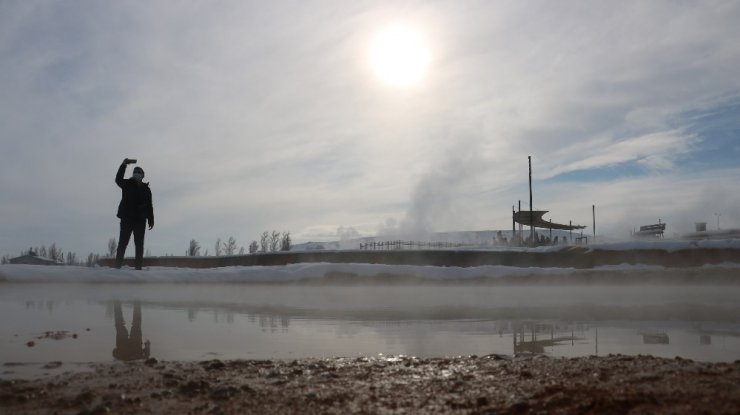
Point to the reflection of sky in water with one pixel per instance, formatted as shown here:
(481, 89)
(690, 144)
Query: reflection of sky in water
(193, 322)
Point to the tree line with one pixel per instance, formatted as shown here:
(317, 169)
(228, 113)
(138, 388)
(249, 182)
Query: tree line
(54, 253)
(268, 242)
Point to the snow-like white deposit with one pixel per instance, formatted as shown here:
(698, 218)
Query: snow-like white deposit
(667, 245)
(286, 273)
(308, 271)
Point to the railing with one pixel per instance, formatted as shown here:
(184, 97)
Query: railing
(390, 245)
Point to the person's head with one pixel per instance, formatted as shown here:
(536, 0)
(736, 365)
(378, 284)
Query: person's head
(138, 174)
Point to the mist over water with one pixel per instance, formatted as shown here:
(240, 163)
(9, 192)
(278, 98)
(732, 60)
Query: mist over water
(285, 321)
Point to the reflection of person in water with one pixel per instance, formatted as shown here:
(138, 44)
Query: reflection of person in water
(129, 346)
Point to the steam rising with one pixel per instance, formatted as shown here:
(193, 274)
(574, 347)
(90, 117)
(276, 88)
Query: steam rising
(439, 200)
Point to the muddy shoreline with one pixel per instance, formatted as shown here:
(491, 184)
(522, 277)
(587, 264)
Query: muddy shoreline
(464, 385)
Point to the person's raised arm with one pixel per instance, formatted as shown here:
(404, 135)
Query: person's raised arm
(122, 170)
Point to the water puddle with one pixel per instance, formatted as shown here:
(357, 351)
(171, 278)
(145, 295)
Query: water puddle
(51, 328)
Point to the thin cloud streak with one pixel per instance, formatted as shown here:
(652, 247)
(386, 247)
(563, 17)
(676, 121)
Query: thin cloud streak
(655, 151)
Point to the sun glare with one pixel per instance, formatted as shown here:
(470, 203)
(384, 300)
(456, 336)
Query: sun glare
(399, 56)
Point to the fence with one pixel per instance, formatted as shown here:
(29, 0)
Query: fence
(391, 245)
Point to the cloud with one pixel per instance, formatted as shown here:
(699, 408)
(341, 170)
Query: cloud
(655, 151)
(625, 203)
(254, 116)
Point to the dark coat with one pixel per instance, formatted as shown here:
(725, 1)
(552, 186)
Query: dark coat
(136, 199)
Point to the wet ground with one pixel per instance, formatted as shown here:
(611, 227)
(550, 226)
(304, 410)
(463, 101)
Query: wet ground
(469, 385)
(131, 348)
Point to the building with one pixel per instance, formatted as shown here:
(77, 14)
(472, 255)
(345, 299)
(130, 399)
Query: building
(33, 259)
(650, 231)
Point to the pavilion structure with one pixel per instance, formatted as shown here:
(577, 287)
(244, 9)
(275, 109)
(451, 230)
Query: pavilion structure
(535, 218)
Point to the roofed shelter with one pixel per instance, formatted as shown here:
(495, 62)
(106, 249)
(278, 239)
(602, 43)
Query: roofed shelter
(30, 259)
(534, 218)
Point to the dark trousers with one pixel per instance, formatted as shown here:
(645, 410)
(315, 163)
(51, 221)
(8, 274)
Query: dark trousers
(137, 226)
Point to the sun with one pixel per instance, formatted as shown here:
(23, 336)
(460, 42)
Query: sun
(399, 56)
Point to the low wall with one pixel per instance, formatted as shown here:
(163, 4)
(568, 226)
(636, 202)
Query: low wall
(567, 258)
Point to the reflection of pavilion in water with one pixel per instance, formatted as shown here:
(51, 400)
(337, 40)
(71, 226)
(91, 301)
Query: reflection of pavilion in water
(533, 337)
(129, 345)
(655, 338)
(521, 330)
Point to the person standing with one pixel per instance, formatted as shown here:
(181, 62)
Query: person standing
(135, 210)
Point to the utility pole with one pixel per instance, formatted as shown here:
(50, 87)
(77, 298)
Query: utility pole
(593, 210)
(531, 215)
(570, 230)
(717, 215)
(521, 229)
(513, 223)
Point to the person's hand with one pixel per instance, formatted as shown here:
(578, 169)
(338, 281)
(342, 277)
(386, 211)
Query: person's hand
(129, 161)
(151, 225)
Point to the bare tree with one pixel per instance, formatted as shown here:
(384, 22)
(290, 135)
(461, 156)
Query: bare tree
(193, 248)
(253, 247)
(71, 258)
(92, 259)
(285, 242)
(56, 254)
(274, 241)
(230, 246)
(242, 251)
(264, 241)
(112, 246)
(217, 247)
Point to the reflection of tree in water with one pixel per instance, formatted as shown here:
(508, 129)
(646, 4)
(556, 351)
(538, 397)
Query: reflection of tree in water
(271, 322)
(218, 316)
(267, 321)
(129, 346)
(48, 305)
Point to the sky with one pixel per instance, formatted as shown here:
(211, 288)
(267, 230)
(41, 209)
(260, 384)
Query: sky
(250, 116)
